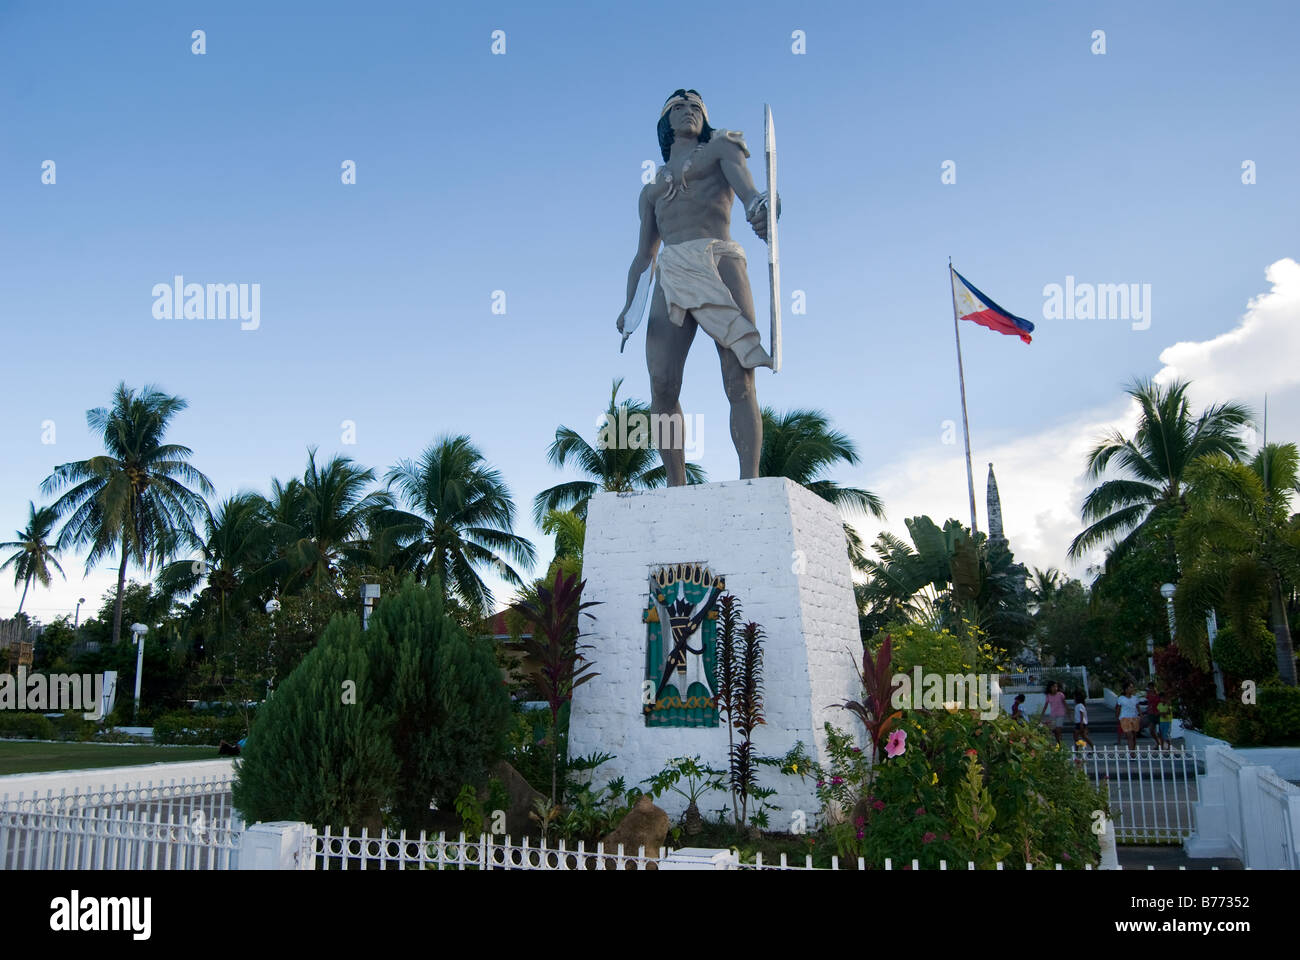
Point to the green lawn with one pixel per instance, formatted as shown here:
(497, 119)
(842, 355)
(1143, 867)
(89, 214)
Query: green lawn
(19, 756)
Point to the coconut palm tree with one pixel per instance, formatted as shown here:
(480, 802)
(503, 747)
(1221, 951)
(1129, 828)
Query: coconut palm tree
(1043, 585)
(1154, 460)
(800, 445)
(132, 501)
(616, 463)
(34, 554)
(1239, 545)
(943, 576)
(459, 519)
(323, 518)
(235, 562)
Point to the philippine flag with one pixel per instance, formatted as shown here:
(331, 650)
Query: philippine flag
(973, 305)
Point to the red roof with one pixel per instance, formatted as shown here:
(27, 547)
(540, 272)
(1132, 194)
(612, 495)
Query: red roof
(496, 625)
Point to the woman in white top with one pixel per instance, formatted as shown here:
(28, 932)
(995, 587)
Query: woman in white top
(1126, 710)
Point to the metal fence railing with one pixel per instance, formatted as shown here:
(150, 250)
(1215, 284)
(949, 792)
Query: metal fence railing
(1152, 793)
(109, 840)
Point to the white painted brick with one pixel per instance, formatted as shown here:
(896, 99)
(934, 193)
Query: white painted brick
(748, 531)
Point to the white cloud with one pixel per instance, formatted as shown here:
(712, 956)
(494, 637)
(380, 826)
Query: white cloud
(1041, 476)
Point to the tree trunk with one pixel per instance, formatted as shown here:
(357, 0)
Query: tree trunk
(23, 599)
(121, 585)
(1282, 635)
(694, 822)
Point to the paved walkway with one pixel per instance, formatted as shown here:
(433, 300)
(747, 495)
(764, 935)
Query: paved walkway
(1168, 858)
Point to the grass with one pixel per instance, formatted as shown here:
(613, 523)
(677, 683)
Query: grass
(36, 756)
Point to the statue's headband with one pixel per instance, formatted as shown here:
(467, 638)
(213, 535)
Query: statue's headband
(688, 97)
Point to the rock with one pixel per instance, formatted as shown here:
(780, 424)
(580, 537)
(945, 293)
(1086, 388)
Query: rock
(644, 826)
(522, 797)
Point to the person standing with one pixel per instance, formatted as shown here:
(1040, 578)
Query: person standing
(1126, 711)
(1054, 707)
(1166, 716)
(1153, 715)
(1081, 719)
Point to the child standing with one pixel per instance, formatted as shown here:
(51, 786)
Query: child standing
(1018, 707)
(1166, 709)
(1081, 719)
(1054, 707)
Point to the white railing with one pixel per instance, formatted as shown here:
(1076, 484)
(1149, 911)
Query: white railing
(1279, 816)
(178, 798)
(89, 840)
(1038, 678)
(397, 851)
(1152, 793)
(100, 839)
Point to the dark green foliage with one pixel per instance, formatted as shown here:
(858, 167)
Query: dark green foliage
(1245, 654)
(1279, 709)
(321, 749)
(378, 721)
(963, 788)
(189, 727)
(450, 703)
(26, 726)
(1190, 687)
(947, 577)
(743, 705)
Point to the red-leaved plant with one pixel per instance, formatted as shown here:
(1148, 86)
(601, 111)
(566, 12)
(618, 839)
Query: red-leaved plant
(875, 710)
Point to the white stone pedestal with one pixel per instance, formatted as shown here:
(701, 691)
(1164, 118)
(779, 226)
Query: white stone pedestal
(782, 552)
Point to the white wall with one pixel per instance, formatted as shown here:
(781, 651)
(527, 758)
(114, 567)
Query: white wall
(1247, 811)
(104, 778)
(783, 554)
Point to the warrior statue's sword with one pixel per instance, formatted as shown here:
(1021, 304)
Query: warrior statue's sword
(640, 303)
(773, 250)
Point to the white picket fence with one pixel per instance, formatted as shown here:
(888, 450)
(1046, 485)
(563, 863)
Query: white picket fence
(347, 851)
(107, 839)
(1241, 810)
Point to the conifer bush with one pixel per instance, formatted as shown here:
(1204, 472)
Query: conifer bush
(379, 722)
(321, 748)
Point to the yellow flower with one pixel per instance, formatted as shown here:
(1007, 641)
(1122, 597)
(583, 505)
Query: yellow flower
(794, 767)
(934, 778)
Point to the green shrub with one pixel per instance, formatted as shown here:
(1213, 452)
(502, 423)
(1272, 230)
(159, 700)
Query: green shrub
(74, 726)
(963, 789)
(1240, 724)
(198, 728)
(29, 726)
(1279, 710)
(940, 651)
(451, 706)
(321, 750)
(1245, 654)
(378, 721)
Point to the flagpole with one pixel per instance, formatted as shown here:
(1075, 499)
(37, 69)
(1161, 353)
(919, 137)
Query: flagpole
(961, 378)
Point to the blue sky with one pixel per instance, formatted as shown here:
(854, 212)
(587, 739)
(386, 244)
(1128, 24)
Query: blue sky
(519, 172)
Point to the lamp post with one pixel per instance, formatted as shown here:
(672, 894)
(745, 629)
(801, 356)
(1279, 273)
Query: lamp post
(272, 608)
(1167, 591)
(138, 630)
(369, 596)
(76, 614)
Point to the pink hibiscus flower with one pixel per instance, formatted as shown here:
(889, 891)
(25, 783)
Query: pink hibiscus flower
(897, 743)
